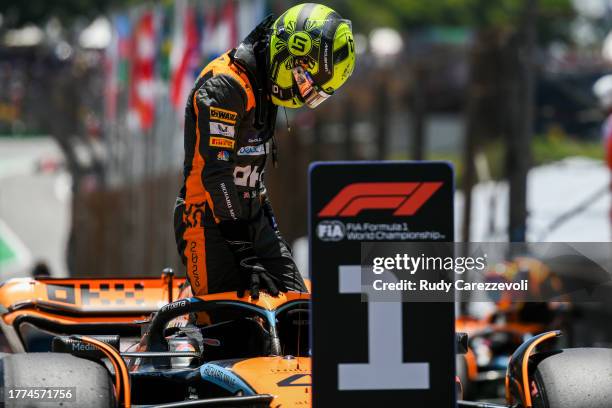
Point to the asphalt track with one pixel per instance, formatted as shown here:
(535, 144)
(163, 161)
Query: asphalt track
(34, 206)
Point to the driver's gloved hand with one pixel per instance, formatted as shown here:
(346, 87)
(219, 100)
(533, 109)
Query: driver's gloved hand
(238, 236)
(256, 277)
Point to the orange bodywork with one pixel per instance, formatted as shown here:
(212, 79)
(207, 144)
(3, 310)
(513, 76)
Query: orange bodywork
(472, 326)
(91, 300)
(472, 365)
(525, 366)
(265, 301)
(107, 300)
(289, 380)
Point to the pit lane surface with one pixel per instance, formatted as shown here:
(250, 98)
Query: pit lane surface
(34, 206)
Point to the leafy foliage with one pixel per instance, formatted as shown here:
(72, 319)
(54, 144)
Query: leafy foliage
(366, 14)
(418, 13)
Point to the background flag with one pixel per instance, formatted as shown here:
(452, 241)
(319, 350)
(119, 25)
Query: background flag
(142, 87)
(184, 57)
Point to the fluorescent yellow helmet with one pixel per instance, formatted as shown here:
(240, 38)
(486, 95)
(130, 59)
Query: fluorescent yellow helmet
(312, 53)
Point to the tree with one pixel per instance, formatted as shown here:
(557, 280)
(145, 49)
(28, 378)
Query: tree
(406, 14)
(499, 97)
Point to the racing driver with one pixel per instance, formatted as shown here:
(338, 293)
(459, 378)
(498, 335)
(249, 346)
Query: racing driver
(223, 219)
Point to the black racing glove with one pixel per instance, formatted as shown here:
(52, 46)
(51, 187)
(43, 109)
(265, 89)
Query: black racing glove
(252, 277)
(255, 277)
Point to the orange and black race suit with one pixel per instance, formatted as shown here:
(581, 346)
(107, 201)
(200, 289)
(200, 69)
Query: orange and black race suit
(229, 125)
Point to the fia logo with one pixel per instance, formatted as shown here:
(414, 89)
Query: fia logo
(331, 231)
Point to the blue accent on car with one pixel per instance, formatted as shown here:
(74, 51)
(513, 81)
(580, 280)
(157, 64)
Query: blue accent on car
(225, 378)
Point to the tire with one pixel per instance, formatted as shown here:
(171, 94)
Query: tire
(575, 378)
(91, 382)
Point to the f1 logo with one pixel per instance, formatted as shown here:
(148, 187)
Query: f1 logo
(405, 198)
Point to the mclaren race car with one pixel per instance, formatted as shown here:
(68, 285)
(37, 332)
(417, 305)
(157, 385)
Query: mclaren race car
(217, 350)
(139, 342)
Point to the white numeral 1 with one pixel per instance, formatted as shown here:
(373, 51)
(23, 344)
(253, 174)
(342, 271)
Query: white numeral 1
(385, 369)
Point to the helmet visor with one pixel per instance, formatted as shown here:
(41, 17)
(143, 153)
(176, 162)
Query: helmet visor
(312, 95)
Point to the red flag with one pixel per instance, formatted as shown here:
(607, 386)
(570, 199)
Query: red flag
(220, 32)
(142, 90)
(185, 54)
(228, 19)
